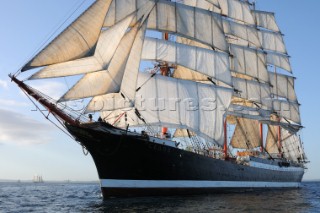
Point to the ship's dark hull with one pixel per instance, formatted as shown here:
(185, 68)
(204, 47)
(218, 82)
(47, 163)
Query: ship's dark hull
(132, 165)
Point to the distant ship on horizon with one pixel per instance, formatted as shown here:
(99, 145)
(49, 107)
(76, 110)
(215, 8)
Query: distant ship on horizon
(37, 179)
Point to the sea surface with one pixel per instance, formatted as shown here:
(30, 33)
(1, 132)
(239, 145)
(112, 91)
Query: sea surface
(86, 197)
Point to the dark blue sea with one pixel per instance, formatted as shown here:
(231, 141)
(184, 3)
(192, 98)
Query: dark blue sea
(86, 197)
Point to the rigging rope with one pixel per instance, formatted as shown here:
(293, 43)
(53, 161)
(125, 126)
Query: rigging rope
(144, 83)
(49, 36)
(47, 117)
(65, 80)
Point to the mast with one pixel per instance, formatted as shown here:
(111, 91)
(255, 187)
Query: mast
(279, 139)
(279, 127)
(164, 69)
(261, 137)
(225, 145)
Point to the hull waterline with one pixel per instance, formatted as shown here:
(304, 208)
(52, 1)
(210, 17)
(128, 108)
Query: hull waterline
(130, 164)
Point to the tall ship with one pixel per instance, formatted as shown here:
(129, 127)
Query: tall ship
(181, 97)
(37, 179)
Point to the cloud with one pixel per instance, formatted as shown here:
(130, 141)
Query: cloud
(6, 102)
(20, 129)
(51, 88)
(3, 84)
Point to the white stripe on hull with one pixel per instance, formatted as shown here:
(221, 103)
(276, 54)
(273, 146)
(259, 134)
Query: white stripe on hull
(112, 183)
(276, 167)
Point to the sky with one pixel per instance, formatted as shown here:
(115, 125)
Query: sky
(30, 145)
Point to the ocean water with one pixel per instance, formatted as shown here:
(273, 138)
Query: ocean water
(86, 197)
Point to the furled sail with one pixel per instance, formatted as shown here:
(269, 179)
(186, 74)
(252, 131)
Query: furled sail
(266, 20)
(211, 63)
(77, 41)
(182, 104)
(283, 86)
(246, 134)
